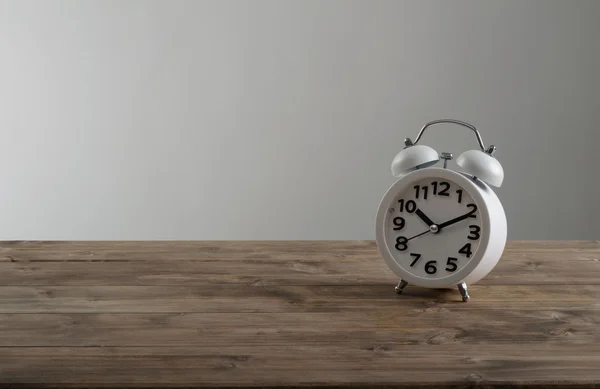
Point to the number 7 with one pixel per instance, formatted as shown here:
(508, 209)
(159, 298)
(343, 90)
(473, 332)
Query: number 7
(417, 257)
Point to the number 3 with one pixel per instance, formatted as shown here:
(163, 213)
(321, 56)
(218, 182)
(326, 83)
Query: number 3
(474, 232)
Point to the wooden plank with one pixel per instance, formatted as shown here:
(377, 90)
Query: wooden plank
(119, 251)
(513, 269)
(387, 365)
(551, 246)
(269, 263)
(556, 325)
(122, 251)
(291, 299)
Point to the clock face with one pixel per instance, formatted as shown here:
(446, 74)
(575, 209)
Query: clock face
(433, 228)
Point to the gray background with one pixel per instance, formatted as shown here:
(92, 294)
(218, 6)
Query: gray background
(279, 119)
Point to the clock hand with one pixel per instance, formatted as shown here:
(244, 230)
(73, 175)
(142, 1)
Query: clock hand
(432, 226)
(424, 217)
(416, 236)
(455, 220)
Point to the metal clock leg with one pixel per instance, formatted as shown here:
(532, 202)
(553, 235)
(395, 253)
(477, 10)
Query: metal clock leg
(400, 287)
(462, 288)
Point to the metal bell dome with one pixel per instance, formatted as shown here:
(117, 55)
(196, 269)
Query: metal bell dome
(482, 165)
(413, 157)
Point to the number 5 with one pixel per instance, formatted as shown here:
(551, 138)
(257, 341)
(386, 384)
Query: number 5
(451, 264)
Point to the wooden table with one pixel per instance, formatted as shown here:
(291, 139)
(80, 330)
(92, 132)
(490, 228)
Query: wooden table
(283, 314)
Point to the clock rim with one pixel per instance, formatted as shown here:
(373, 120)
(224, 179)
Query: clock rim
(467, 183)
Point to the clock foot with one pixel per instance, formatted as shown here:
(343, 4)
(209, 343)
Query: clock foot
(462, 288)
(400, 287)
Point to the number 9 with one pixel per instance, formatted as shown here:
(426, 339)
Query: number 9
(399, 222)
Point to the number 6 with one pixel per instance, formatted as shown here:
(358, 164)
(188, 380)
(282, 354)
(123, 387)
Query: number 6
(430, 267)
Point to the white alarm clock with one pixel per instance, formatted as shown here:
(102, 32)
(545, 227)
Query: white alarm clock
(440, 228)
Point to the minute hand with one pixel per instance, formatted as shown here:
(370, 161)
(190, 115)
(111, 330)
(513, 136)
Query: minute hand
(455, 220)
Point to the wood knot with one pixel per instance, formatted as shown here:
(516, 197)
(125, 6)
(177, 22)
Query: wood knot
(26, 269)
(158, 320)
(474, 378)
(441, 338)
(307, 268)
(74, 323)
(378, 348)
(534, 264)
(557, 332)
(46, 293)
(433, 309)
(257, 282)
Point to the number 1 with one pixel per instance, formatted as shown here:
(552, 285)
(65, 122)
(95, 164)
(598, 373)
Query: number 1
(459, 191)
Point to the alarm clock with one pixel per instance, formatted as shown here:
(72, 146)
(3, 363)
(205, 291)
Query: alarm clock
(437, 227)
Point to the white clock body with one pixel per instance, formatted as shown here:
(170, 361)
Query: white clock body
(464, 251)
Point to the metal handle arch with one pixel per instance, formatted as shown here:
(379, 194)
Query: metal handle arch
(452, 121)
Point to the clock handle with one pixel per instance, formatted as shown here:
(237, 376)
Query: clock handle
(490, 150)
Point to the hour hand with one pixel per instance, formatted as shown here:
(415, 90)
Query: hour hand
(424, 217)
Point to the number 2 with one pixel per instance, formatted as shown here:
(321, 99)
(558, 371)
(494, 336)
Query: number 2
(473, 210)
(444, 191)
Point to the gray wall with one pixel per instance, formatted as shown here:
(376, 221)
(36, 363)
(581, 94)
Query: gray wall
(279, 119)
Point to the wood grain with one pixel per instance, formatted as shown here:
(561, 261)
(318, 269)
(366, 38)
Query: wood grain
(290, 314)
(284, 299)
(101, 264)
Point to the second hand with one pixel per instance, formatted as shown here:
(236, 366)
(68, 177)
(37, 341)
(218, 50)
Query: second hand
(416, 236)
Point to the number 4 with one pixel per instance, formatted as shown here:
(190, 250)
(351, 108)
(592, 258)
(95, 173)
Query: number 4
(466, 250)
